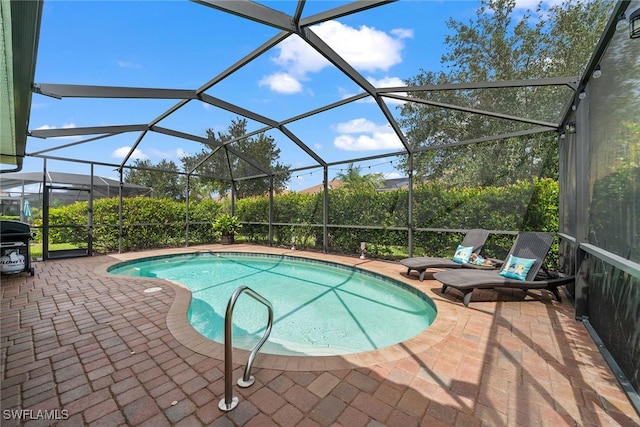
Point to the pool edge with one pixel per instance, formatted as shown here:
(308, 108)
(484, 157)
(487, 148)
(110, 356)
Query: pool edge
(185, 334)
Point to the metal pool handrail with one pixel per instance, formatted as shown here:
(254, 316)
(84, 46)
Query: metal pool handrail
(230, 401)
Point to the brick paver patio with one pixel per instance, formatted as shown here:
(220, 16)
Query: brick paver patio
(88, 348)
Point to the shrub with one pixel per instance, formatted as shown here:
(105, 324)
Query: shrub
(149, 223)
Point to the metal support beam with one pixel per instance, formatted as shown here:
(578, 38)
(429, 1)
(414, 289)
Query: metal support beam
(302, 145)
(252, 11)
(93, 130)
(72, 144)
(133, 148)
(323, 49)
(237, 110)
(571, 82)
(210, 142)
(516, 134)
(84, 91)
(327, 107)
(245, 60)
(392, 122)
(474, 111)
(339, 12)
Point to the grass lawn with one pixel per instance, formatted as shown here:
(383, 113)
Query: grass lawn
(36, 248)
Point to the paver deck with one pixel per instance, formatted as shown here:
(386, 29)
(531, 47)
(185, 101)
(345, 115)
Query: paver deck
(82, 347)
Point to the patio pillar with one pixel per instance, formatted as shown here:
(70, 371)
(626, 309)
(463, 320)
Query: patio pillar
(90, 217)
(410, 207)
(270, 210)
(325, 209)
(186, 212)
(582, 207)
(120, 212)
(45, 213)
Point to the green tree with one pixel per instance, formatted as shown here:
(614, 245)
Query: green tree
(163, 178)
(216, 166)
(501, 43)
(353, 179)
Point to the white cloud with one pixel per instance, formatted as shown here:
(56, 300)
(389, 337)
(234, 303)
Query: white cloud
(298, 58)
(281, 83)
(121, 153)
(128, 64)
(392, 175)
(361, 125)
(386, 81)
(345, 93)
(365, 48)
(376, 141)
(168, 155)
(364, 135)
(65, 126)
(533, 4)
(379, 83)
(402, 33)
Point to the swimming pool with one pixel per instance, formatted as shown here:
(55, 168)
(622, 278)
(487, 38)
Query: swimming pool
(320, 308)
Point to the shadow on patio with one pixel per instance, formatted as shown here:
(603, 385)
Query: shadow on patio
(93, 349)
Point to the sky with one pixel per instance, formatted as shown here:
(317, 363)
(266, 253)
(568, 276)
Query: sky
(183, 45)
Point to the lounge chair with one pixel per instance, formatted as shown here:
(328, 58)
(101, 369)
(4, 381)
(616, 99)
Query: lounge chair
(529, 247)
(474, 238)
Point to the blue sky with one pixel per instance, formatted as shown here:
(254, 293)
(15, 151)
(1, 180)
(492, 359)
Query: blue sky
(182, 45)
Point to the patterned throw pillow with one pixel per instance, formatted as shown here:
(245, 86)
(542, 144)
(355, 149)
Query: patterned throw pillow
(517, 268)
(463, 253)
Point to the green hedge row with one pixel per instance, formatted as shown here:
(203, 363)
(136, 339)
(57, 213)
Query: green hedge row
(151, 223)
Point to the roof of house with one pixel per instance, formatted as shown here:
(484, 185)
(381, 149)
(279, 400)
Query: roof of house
(318, 188)
(387, 185)
(104, 187)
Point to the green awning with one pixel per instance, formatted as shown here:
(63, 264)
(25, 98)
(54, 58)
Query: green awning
(20, 25)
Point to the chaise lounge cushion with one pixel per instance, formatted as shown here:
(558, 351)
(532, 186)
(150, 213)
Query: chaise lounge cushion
(528, 245)
(474, 238)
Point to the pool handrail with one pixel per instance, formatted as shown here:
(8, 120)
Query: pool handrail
(230, 401)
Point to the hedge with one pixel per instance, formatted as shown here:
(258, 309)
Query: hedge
(153, 223)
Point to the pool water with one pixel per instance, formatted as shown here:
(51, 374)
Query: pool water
(319, 308)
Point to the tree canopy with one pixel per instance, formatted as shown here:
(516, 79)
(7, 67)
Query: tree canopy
(244, 157)
(163, 178)
(354, 179)
(215, 166)
(501, 43)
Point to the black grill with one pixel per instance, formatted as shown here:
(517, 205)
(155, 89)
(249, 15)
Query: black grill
(14, 247)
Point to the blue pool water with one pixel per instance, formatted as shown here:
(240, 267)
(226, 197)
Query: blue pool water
(319, 308)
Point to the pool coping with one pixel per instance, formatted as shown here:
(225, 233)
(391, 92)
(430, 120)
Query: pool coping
(184, 332)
